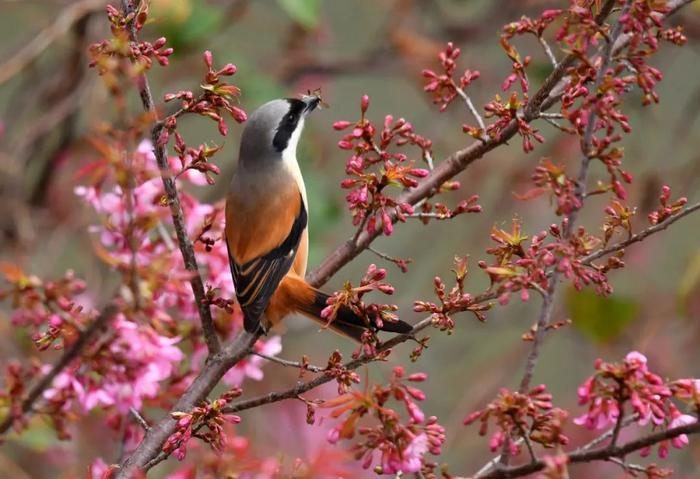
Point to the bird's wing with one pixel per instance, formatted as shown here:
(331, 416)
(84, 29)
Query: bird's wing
(259, 261)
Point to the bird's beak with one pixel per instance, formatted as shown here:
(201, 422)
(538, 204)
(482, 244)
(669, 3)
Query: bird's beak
(311, 102)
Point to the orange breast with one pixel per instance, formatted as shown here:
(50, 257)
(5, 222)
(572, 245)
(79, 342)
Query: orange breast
(253, 228)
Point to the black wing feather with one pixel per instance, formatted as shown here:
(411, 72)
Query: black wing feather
(257, 280)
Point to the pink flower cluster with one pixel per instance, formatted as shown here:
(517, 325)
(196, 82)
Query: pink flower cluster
(351, 297)
(209, 415)
(140, 55)
(667, 208)
(454, 301)
(372, 168)
(518, 267)
(51, 309)
(615, 385)
(121, 374)
(506, 112)
(217, 97)
(442, 85)
(552, 178)
(401, 447)
(517, 415)
(133, 234)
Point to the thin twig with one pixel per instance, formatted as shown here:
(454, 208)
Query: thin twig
(68, 356)
(556, 125)
(627, 467)
(139, 419)
(548, 51)
(626, 421)
(618, 422)
(290, 364)
(524, 435)
(437, 216)
(472, 109)
(636, 238)
(184, 241)
(493, 462)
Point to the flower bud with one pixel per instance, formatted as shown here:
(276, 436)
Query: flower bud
(364, 103)
(208, 59)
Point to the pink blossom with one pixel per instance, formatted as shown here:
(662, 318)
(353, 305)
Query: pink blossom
(251, 367)
(410, 459)
(681, 420)
(98, 468)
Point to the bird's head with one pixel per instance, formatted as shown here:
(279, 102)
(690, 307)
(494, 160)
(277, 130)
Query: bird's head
(276, 127)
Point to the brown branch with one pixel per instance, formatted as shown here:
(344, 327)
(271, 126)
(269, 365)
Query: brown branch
(451, 166)
(68, 356)
(216, 366)
(184, 241)
(601, 454)
(548, 300)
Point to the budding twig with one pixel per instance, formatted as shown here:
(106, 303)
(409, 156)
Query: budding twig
(472, 109)
(290, 364)
(636, 238)
(184, 241)
(548, 301)
(139, 419)
(601, 454)
(548, 51)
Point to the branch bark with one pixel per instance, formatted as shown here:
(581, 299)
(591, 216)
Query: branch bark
(600, 454)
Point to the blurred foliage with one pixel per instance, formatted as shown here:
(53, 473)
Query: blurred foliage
(600, 318)
(304, 12)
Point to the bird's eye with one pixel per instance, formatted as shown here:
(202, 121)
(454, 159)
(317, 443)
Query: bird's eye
(292, 118)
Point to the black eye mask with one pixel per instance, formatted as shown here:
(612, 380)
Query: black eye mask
(288, 124)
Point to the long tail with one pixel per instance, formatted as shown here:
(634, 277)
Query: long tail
(297, 295)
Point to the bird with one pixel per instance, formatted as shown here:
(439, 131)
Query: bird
(266, 228)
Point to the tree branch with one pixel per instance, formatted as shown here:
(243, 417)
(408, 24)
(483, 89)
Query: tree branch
(548, 300)
(601, 454)
(184, 241)
(636, 238)
(547, 95)
(217, 365)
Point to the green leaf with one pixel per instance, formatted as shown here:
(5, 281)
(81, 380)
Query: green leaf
(689, 285)
(186, 24)
(600, 318)
(304, 12)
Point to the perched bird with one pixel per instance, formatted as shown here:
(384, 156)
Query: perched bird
(266, 225)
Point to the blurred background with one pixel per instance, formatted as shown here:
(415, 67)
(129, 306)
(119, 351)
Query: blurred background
(50, 102)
